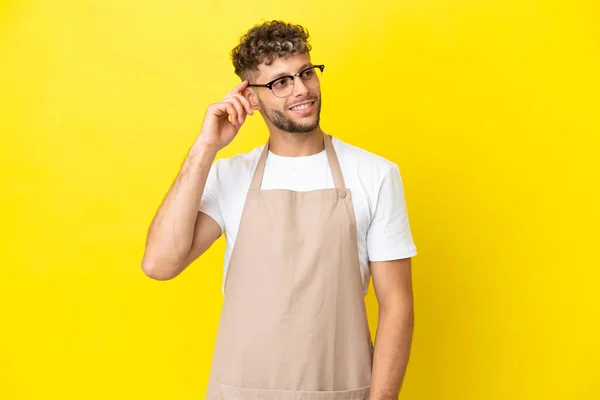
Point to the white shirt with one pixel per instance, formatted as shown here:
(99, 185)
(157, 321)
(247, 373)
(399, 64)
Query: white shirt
(383, 228)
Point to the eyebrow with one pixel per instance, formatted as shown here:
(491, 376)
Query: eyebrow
(280, 74)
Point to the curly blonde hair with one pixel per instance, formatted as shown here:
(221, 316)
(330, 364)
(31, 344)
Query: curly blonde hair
(264, 42)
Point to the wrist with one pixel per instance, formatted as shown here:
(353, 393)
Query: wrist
(201, 149)
(202, 154)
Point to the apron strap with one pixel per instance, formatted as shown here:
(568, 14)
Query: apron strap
(334, 165)
(260, 168)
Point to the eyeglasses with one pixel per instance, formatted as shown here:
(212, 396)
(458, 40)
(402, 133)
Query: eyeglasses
(284, 85)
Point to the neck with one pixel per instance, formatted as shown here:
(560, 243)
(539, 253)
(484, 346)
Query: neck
(296, 144)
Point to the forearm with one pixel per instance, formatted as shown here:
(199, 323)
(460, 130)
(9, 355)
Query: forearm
(171, 232)
(392, 349)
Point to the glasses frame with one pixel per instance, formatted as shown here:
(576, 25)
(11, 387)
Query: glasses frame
(269, 85)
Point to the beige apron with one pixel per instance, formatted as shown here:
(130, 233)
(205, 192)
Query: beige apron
(294, 323)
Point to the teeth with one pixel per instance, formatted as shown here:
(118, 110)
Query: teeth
(302, 107)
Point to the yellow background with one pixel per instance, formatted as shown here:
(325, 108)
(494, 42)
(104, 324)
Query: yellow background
(490, 108)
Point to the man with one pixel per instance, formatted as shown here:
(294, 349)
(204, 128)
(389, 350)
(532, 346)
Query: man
(308, 220)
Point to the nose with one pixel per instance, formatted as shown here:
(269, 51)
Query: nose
(300, 88)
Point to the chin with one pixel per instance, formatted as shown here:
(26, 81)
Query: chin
(294, 124)
(305, 128)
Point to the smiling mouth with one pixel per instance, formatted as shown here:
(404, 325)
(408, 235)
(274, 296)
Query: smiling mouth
(302, 106)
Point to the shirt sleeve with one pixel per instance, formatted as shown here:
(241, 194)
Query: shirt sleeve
(389, 235)
(209, 204)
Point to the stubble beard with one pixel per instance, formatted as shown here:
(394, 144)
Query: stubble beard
(282, 122)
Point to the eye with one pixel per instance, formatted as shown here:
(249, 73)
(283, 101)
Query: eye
(280, 83)
(308, 73)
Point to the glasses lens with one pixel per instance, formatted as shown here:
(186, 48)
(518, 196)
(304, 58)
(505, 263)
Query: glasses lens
(283, 87)
(311, 77)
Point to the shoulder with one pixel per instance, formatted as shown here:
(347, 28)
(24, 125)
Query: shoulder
(365, 163)
(237, 166)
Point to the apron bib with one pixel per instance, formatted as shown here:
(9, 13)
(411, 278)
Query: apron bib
(293, 324)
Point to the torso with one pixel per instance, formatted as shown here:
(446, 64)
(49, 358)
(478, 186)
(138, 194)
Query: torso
(362, 170)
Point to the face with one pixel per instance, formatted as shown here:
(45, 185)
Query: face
(284, 113)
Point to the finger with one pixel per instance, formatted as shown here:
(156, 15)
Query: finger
(231, 110)
(241, 113)
(222, 109)
(243, 100)
(218, 109)
(245, 103)
(238, 108)
(238, 89)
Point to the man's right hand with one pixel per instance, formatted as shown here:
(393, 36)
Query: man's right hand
(217, 129)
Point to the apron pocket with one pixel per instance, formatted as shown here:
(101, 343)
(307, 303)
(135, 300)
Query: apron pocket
(227, 392)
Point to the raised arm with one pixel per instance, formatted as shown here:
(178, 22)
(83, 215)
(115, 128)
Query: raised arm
(179, 233)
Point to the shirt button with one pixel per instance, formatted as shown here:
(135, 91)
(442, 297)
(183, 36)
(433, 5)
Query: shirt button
(343, 194)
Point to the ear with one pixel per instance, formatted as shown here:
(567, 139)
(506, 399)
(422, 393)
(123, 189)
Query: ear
(250, 95)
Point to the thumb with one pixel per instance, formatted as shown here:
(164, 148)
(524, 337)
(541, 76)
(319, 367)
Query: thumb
(239, 88)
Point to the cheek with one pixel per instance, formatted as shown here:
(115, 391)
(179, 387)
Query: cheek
(275, 105)
(269, 104)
